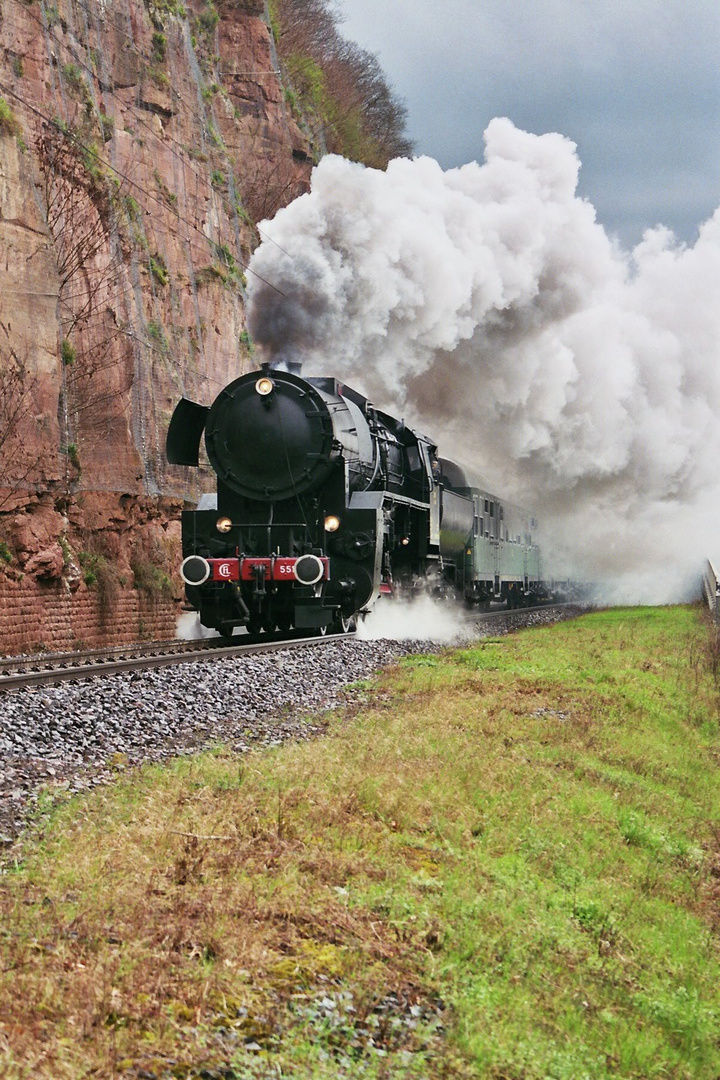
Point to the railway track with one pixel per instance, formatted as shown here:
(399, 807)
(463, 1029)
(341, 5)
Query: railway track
(512, 617)
(47, 668)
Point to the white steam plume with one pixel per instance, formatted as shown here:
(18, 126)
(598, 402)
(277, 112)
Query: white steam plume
(421, 619)
(189, 628)
(487, 306)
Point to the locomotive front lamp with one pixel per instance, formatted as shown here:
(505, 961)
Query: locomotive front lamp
(405, 541)
(264, 386)
(223, 525)
(332, 523)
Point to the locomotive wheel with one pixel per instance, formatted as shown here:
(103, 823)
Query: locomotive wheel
(343, 624)
(254, 624)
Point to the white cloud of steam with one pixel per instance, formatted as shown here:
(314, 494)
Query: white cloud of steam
(189, 628)
(420, 619)
(487, 306)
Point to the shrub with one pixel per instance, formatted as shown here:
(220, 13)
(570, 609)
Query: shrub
(107, 126)
(159, 47)
(73, 455)
(67, 352)
(100, 574)
(151, 579)
(338, 82)
(9, 125)
(156, 332)
(158, 269)
(207, 20)
(73, 75)
(133, 208)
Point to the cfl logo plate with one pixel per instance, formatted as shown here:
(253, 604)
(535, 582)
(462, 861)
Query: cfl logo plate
(225, 569)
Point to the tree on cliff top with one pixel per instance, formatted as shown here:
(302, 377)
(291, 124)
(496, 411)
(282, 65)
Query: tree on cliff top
(340, 84)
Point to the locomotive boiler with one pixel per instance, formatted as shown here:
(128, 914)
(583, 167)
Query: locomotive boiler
(323, 502)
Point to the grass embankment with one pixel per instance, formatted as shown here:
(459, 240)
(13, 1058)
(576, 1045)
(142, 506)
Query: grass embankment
(506, 864)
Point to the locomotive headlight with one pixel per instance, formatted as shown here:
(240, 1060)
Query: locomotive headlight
(405, 541)
(223, 524)
(332, 523)
(264, 386)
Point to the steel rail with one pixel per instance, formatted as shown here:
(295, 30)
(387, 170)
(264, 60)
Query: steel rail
(34, 661)
(519, 614)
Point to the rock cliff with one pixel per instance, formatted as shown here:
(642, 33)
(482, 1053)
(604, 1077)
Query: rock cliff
(139, 142)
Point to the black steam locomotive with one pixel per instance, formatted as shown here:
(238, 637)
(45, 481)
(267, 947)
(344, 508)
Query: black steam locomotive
(324, 502)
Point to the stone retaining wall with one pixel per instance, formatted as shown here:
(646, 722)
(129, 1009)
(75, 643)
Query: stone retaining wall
(36, 617)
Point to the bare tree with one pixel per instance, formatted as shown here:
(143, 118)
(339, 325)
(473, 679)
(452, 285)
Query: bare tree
(17, 411)
(81, 213)
(346, 87)
(267, 183)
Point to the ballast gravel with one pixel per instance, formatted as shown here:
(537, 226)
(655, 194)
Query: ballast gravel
(73, 736)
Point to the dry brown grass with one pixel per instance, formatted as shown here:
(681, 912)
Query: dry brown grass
(198, 908)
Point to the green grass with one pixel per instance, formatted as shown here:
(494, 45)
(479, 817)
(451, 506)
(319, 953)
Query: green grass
(501, 862)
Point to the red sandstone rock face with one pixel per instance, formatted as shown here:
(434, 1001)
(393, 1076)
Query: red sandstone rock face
(34, 534)
(149, 141)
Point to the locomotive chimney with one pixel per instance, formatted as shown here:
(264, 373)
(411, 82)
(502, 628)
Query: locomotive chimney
(293, 367)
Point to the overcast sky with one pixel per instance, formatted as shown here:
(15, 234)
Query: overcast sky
(634, 83)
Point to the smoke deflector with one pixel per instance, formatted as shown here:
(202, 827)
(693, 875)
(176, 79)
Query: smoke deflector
(185, 432)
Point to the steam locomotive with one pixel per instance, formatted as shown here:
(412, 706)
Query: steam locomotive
(324, 503)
